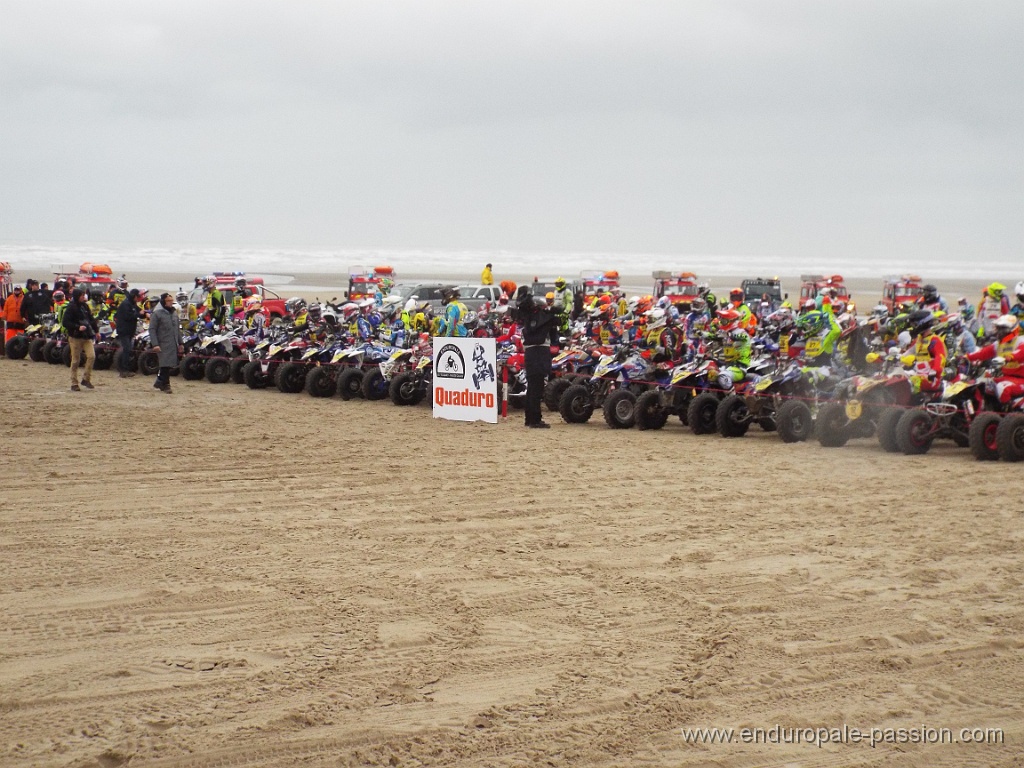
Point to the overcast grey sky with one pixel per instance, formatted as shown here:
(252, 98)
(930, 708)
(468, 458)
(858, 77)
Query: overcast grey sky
(778, 127)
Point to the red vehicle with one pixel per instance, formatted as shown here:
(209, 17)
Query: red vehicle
(812, 285)
(364, 283)
(89, 277)
(599, 284)
(225, 282)
(680, 287)
(899, 290)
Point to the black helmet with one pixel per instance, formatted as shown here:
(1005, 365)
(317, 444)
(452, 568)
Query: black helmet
(921, 321)
(930, 293)
(96, 295)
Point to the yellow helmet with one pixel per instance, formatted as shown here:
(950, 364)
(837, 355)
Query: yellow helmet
(995, 290)
(559, 282)
(550, 296)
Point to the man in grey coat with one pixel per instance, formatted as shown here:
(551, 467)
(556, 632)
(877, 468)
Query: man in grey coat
(165, 338)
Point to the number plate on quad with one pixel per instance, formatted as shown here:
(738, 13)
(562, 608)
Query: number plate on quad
(854, 409)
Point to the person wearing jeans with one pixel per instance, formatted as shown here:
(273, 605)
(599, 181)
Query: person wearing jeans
(126, 320)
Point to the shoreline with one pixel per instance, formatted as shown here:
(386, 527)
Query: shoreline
(866, 292)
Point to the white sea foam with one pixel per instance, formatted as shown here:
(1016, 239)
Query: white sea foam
(278, 265)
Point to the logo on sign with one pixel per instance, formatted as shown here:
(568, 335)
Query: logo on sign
(450, 363)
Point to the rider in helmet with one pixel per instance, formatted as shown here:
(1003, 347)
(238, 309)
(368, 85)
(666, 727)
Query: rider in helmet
(820, 331)
(1009, 346)
(662, 340)
(241, 293)
(931, 300)
(1017, 310)
(929, 352)
(255, 314)
(737, 301)
(453, 320)
(98, 306)
(214, 300)
(959, 341)
(994, 304)
(563, 305)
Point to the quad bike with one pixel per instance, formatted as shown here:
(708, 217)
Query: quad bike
(673, 398)
(702, 412)
(948, 417)
(863, 406)
(775, 398)
(411, 387)
(612, 388)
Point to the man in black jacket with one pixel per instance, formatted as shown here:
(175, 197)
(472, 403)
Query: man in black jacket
(34, 305)
(540, 337)
(81, 329)
(126, 321)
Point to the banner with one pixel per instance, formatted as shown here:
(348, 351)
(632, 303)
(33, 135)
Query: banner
(465, 381)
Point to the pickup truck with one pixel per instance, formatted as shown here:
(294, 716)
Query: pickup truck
(474, 296)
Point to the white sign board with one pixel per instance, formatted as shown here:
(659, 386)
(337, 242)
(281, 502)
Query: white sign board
(465, 380)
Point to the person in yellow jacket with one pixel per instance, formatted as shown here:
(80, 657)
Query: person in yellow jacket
(486, 278)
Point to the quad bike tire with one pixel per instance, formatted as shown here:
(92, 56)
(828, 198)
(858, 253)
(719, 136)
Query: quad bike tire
(728, 417)
(886, 429)
(149, 363)
(700, 414)
(193, 368)
(794, 421)
(320, 383)
(35, 350)
(218, 370)
(982, 436)
(576, 405)
(255, 378)
(350, 383)
(290, 377)
(406, 390)
(619, 409)
(1010, 437)
(375, 386)
(16, 347)
(238, 370)
(104, 360)
(554, 390)
(649, 412)
(51, 351)
(914, 433)
(833, 428)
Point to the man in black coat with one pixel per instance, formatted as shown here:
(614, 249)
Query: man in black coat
(34, 305)
(540, 336)
(126, 321)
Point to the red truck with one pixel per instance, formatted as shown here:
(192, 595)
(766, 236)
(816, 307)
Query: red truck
(680, 287)
(225, 282)
(900, 290)
(88, 276)
(364, 283)
(812, 285)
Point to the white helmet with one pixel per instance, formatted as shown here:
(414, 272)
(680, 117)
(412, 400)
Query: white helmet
(655, 318)
(392, 301)
(1019, 290)
(1005, 323)
(633, 303)
(410, 305)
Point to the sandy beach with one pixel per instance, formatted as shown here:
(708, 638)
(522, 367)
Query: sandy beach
(235, 577)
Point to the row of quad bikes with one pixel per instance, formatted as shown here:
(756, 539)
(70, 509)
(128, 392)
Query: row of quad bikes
(794, 401)
(797, 402)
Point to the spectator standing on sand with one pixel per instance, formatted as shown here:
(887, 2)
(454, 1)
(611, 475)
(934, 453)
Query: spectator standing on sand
(81, 328)
(14, 322)
(165, 338)
(486, 278)
(540, 338)
(126, 320)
